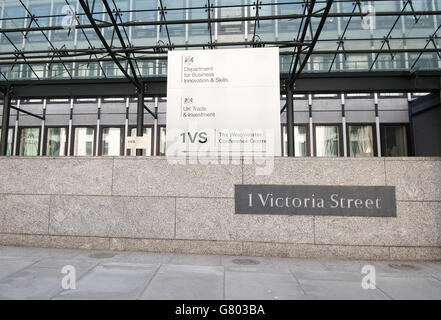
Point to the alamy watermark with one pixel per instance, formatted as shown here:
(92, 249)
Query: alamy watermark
(69, 281)
(206, 146)
(368, 19)
(69, 21)
(369, 281)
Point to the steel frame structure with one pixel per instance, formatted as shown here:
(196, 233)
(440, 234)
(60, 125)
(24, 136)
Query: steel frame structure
(133, 83)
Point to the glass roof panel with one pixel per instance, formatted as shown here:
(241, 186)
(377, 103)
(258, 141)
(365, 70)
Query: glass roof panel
(54, 39)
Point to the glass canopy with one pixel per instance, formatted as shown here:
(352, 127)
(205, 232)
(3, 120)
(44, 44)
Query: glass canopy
(98, 39)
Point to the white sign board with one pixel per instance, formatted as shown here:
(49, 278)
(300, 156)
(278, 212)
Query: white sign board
(223, 102)
(138, 142)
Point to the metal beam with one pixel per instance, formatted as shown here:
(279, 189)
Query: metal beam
(295, 74)
(104, 42)
(341, 40)
(153, 56)
(150, 111)
(121, 40)
(293, 68)
(44, 34)
(87, 39)
(368, 82)
(223, 19)
(334, 82)
(425, 48)
(28, 113)
(77, 88)
(5, 122)
(209, 6)
(140, 118)
(220, 20)
(289, 119)
(386, 38)
(163, 19)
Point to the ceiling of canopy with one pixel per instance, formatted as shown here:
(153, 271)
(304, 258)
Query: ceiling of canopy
(100, 39)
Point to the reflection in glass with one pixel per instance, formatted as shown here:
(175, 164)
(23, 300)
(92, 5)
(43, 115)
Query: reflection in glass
(10, 138)
(327, 141)
(361, 142)
(300, 146)
(83, 145)
(56, 142)
(300, 141)
(393, 141)
(29, 141)
(162, 141)
(146, 132)
(112, 141)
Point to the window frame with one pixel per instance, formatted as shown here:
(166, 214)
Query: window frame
(122, 139)
(374, 137)
(340, 138)
(45, 136)
(158, 140)
(72, 140)
(20, 131)
(12, 143)
(408, 138)
(308, 143)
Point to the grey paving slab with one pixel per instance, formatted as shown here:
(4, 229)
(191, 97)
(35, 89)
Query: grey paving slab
(339, 290)
(253, 264)
(99, 255)
(32, 283)
(59, 263)
(186, 282)
(35, 273)
(9, 266)
(402, 268)
(114, 280)
(196, 259)
(143, 257)
(327, 275)
(256, 286)
(410, 288)
(435, 265)
(388, 268)
(345, 266)
(437, 275)
(306, 264)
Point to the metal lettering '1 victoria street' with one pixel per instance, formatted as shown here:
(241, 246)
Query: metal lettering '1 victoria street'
(368, 201)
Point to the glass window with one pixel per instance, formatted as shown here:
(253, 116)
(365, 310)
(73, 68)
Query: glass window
(300, 147)
(327, 141)
(56, 142)
(29, 139)
(229, 10)
(162, 141)
(146, 132)
(284, 141)
(112, 141)
(361, 142)
(300, 141)
(394, 141)
(10, 139)
(83, 145)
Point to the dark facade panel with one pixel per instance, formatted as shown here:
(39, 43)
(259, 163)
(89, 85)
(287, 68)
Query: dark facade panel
(425, 120)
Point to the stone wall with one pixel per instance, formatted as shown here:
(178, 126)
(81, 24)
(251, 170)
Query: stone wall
(139, 203)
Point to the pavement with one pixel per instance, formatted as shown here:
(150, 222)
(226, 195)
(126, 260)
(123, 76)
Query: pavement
(37, 273)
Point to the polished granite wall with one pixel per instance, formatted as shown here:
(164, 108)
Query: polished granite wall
(139, 203)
